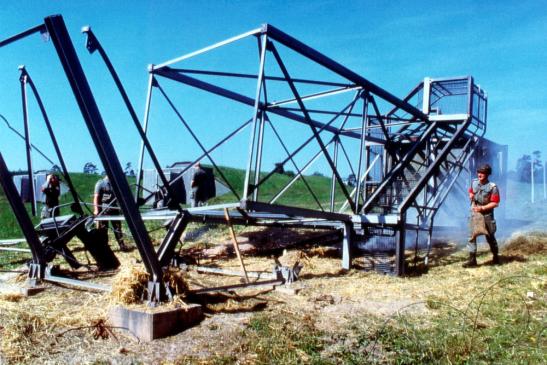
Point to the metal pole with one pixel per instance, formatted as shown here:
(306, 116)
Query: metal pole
(151, 82)
(28, 148)
(364, 122)
(255, 114)
(258, 161)
(532, 178)
(544, 183)
(94, 122)
(333, 178)
(400, 248)
(76, 208)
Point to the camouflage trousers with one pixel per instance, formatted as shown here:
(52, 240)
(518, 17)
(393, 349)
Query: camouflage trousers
(116, 227)
(491, 227)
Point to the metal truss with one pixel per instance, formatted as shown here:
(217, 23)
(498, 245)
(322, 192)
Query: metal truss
(410, 151)
(55, 27)
(405, 154)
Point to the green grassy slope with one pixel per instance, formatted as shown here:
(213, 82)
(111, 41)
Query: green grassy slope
(297, 195)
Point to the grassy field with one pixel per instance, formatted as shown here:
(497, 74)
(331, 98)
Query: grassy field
(446, 315)
(441, 315)
(297, 195)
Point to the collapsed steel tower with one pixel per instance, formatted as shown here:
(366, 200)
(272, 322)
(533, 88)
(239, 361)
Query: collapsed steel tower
(404, 154)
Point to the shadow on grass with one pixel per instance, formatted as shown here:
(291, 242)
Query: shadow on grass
(230, 303)
(324, 275)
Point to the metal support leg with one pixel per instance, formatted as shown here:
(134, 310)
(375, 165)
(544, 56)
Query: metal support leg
(76, 207)
(176, 228)
(92, 117)
(400, 248)
(36, 272)
(333, 177)
(346, 246)
(28, 147)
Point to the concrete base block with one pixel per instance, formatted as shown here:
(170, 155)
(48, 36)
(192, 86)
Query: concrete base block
(150, 324)
(29, 291)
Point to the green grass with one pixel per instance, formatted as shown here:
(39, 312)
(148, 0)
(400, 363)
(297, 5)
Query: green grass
(499, 325)
(298, 195)
(84, 184)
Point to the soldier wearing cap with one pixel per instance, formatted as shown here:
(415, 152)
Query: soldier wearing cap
(197, 184)
(52, 190)
(485, 197)
(104, 203)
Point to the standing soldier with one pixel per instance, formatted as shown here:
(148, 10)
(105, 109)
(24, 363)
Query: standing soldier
(485, 197)
(52, 190)
(199, 193)
(104, 203)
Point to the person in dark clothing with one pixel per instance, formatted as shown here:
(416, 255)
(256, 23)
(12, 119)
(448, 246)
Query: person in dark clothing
(199, 192)
(52, 190)
(485, 197)
(104, 203)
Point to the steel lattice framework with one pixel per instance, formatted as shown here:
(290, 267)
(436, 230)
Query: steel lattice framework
(405, 155)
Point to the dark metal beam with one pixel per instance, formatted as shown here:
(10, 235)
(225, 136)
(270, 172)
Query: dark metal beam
(21, 215)
(167, 73)
(76, 208)
(334, 66)
(313, 128)
(93, 45)
(39, 28)
(92, 117)
(28, 148)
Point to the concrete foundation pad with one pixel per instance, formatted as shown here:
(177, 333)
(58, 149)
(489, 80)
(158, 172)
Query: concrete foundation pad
(29, 291)
(154, 323)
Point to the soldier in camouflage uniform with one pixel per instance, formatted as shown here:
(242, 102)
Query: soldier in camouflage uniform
(485, 197)
(105, 204)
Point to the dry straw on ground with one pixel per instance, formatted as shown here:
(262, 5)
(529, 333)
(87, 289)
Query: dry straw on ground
(528, 243)
(130, 284)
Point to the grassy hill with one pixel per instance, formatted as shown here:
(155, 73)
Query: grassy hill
(84, 185)
(297, 195)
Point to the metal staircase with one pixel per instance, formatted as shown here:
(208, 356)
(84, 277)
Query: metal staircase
(422, 161)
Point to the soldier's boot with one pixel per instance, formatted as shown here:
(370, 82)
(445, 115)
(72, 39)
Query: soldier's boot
(495, 257)
(472, 261)
(123, 246)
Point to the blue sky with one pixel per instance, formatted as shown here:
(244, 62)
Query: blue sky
(394, 44)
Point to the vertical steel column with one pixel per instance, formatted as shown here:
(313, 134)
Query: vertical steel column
(313, 128)
(400, 247)
(544, 183)
(151, 82)
(93, 45)
(364, 122)
(28, 148)
(532, 182)
(367, 159)
(76, 207)
(346, 245)
(258, 161)
(38, 255)
(426, 98)
(92, 117)
(264, 37)
(333, 177)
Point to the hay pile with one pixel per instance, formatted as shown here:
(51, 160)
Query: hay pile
(525, 244)
(35, 327)
(130, 285)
